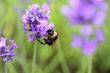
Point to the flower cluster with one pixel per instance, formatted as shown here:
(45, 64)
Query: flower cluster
(86, 14)
(88, 44)
(6, 51)
(35, 21)
(85, 11)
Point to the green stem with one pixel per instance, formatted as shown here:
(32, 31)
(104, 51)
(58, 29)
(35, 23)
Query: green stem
(89, 64)
(4, 67)
(34, 58)
(62, 59)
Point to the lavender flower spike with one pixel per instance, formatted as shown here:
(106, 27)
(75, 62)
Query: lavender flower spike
(85, 11)
(87, 14)
(6, 51)
(35, 21)
(88, 46)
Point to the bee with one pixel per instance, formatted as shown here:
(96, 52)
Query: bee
(50, 38)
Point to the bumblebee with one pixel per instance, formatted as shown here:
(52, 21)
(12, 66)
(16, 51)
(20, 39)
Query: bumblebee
(50, 38)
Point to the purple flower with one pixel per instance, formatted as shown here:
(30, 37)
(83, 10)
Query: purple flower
(76, 41)
(6, 51)
(86, 14)
(31, 37)
(86, 30)
(35, 21)
(99, 35)
(2, 42)
(87, 46)
(85, 11)
(45, 9)
(13, 44)
(99, 18)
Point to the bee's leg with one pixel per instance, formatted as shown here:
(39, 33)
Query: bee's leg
(40, 42)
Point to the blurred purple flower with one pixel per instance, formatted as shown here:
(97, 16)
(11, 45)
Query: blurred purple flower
(85, 11)
(6, 51)
(35, 20)
(88, 46)
(86, 30)
(99, 35)
(76, 41)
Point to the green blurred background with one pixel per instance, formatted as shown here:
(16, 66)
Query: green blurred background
(60, 58)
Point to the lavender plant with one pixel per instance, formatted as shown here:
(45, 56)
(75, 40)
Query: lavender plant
(35, 24)
(6, 51)
(35, 21)
(85, 11)
(86, 14)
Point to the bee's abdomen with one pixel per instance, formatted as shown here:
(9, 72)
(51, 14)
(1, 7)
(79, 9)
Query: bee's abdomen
(48, 41)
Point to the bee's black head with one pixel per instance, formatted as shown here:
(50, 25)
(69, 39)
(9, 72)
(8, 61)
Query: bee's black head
(50, 32)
